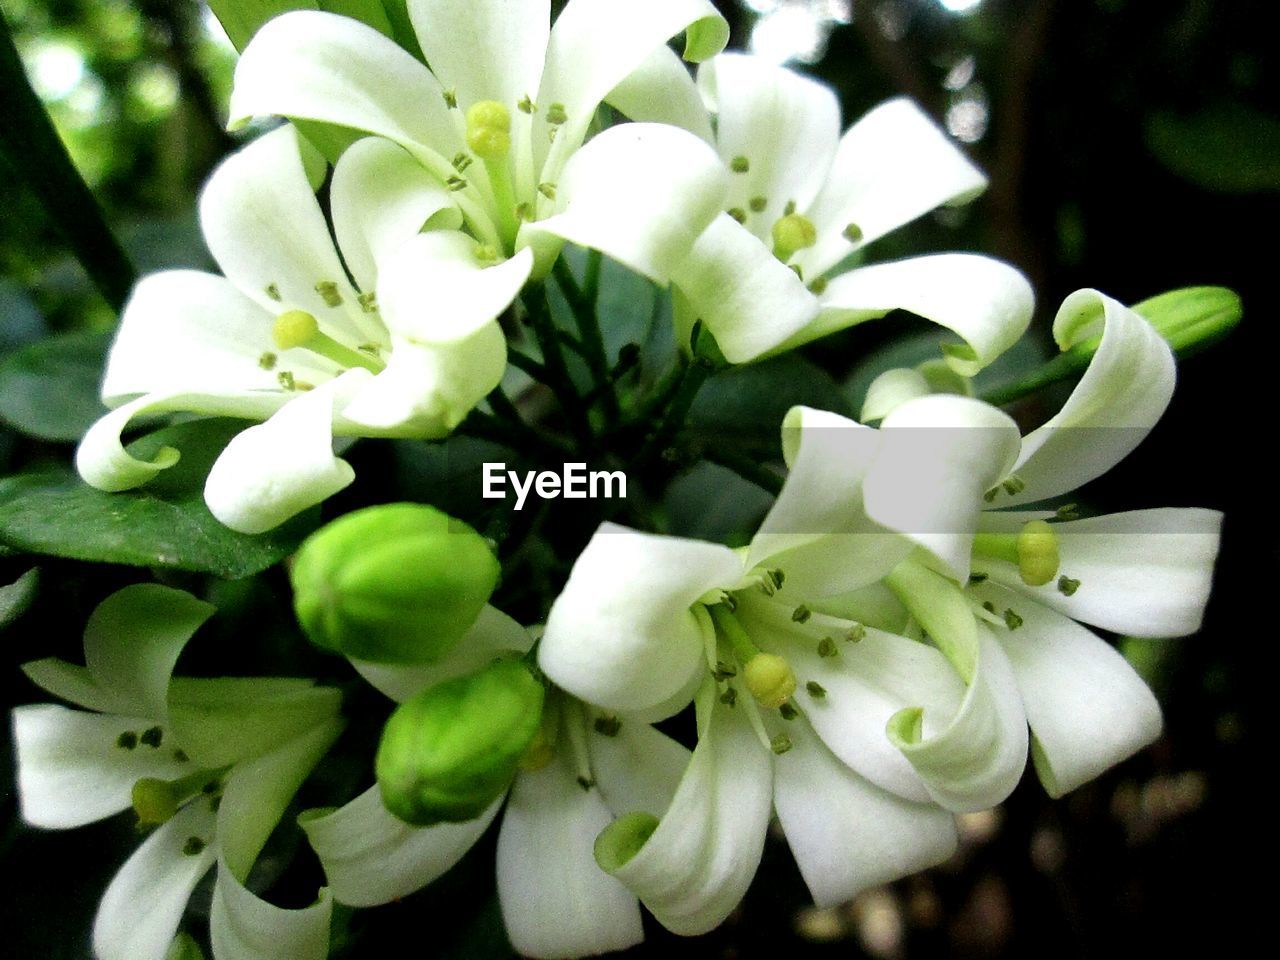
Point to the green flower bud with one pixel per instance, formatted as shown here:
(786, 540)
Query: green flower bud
(1194, 317)
(399, 583)
(453, 749)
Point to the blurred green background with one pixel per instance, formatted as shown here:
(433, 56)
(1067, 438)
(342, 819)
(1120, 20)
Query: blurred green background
(1132, 146)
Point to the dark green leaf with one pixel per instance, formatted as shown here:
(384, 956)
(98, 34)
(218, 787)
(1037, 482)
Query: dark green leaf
(710, 502)
(164, 524)
(17, 596)
(748, 403)
(49, 389)
(1228, 148)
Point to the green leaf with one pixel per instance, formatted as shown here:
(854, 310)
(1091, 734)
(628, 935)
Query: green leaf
(242, 18)
(164, 524)
(1226, 148)
(709, 502)
(17, 596)
(49, 389)
(748, 403)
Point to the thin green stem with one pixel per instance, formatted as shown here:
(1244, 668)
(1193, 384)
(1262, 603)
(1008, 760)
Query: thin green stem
(557, 371)
(732, 631)
(583, 304)
(30, 146)
(1062, 367)
(532, 367)
(693, 376)
(485, 426)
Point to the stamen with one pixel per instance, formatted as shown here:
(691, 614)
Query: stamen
(450, 98)
(489, 129)
(607, 726)
(152, 737)
(852, 232)
(127, 740)
(526, 104)
(739, 164)
(856, 633)
(368, 302)
(193, 846)
(801, 614)
(780, 744)
(556, 114)
(788, 711)
(816, 690)
(757, 204)
(268, 361)
(328, 291)
(273, 292)
(789, 209)
(818, 286)
(791, 233)
(548, 190)
(738, 214)
(827, 647)
(455, 184)
(1012, 620)
(1067, 586)
(461, 161)
(729, 697)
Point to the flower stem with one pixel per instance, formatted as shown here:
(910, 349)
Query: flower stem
(583, 303)
(557, 372)
(1062, 367)
(745, 467)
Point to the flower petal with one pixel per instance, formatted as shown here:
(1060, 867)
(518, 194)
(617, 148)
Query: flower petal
(277, 469)
(891, 167)
(371, 857)
(987, 302)
(785, 125)
(1122, 394)
(595, 45)
(484, 49)
(817, 531)
(218, 725)
(381, 196)
(71, 769)
(621, 633)
(104, 463)
(1087, 707)
(866, 683)
(661, 90)
(184, 332)
(434, 289)
(1144, 573)
(978, 758)
(637, 768)
(264, 226)
(747, 298)
(426, 390)
(845, 832)
(133, 639)
(492, 634)
(319, 66)
(892, 389)
(555, 900)
(696, 866)
(243, 926)
(140, 912)
(938, 456)
(258, 791)
(639, 192)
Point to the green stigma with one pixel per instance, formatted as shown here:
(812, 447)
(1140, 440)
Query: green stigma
(1037, 547)
(294, 328)
(770, 679)
(791, 233)
(489, 129)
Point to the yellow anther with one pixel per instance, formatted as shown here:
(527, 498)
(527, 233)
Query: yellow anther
(1037, 553)
(294, 328)
(770, 679)
(489, 129)
(791, 233)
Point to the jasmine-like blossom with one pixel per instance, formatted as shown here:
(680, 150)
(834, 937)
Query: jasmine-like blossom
(950, 468)
(285, 336)
(783, 265)
(586, 767)
(890, 689)
(500, 117)
(208, 766)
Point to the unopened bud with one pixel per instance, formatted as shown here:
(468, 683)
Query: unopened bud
(1194, 317)
(399, 583)
(451, 751)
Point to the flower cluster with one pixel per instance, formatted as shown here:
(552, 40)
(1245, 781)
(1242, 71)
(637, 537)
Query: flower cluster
(908, 625)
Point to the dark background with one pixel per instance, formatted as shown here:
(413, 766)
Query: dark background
(1132, 146)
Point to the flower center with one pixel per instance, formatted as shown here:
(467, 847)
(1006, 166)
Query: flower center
(297, 329)
(792, 233)
(156, 801)
(1034, 549)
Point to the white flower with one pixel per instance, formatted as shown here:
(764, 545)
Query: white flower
(556, 901)
(792, 701)
(210, 764)
(500, 117)
(286, 338)
(948, 462)
(772, 272)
